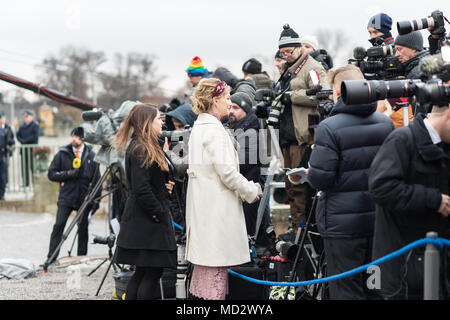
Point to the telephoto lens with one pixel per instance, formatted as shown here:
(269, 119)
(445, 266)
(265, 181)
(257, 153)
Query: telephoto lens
(366, 91)
(404, 27)
(274, 115)
(381, 51)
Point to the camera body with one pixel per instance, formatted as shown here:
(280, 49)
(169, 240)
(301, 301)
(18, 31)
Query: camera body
(435, 21)
(266, 99)
(324, 107)
(108, 240)
(378, 62)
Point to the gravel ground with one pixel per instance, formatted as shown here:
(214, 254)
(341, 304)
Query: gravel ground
(68, 281)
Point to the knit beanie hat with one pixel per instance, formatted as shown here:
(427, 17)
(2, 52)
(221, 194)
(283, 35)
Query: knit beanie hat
(279, 55)
(412, 40)
(381, 22)
(312, 41)
(196, 67)
(252, 66)
(242, 100)
(288, 38)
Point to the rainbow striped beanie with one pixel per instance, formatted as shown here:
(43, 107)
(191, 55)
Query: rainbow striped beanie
(196, 68)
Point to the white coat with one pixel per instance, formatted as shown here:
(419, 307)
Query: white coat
(215, 222)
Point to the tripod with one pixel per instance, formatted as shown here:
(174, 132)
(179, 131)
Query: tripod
(90, 199)
(301, 235)
(110, 240)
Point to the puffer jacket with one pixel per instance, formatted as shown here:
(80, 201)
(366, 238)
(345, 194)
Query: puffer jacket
(345, 145)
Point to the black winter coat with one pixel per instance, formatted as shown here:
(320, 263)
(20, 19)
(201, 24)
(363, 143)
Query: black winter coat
(345, 145)
(28, 133)
(407, 178)
(246, 132)
(73, 190)
(412, 68)
(146, 222)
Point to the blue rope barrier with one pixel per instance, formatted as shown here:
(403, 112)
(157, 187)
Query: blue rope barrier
(438, 242)
(177, 225)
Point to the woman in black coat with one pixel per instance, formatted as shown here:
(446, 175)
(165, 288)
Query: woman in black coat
(146, 239)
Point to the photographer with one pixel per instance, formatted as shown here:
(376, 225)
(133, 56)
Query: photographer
(379, 28)
(312, 48)
(410, 182)
(74, 180)
(294, 135)
(237, 85)
(196, 71)
(245, 126)
(179, 120)
(345, 145)
(409, 51)
(252, 68)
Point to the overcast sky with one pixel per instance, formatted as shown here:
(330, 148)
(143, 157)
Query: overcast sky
(221, 33)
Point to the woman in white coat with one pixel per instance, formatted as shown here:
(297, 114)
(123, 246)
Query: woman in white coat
(215, 222)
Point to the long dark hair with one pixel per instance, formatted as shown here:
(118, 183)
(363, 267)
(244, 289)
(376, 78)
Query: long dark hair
(138, 126)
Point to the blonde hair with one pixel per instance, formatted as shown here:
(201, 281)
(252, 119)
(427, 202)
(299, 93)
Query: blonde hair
(138, 125)
(335, 76)
(202, 99)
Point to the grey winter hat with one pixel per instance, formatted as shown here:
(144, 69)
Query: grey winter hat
(252, 66)
(288, 38)
(242, 100)
(412, 40)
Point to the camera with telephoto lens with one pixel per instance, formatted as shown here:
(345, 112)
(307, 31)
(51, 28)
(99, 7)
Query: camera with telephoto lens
(378, 62)
(177, 136)
(432, 92)
(109, 240)
(435, 21)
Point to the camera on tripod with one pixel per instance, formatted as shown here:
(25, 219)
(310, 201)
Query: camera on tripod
(378, 62)
(108, 240)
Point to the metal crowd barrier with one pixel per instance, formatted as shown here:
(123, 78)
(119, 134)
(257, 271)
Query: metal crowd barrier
(25, 163)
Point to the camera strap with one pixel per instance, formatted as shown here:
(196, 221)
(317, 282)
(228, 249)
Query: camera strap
(300, 66)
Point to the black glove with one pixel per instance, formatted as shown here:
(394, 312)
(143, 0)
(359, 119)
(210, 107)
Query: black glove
(262, 111)
(286, 99)
(73, 173)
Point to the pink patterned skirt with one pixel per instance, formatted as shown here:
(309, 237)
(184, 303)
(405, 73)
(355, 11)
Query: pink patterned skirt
(209, 283)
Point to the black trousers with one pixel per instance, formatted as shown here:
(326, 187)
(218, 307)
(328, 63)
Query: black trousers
(144, 284)
(3, 174)
(343, 255)
(58, 229)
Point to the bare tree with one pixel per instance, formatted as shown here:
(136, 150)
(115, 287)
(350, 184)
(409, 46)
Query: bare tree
(133, 78)
(68, 72)
(335, 41)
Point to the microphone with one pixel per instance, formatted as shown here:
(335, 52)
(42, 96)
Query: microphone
(91, 115)
(432, 65)
(359, 53)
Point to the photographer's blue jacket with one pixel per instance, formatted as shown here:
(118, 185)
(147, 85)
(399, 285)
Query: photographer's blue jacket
(344, 147)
